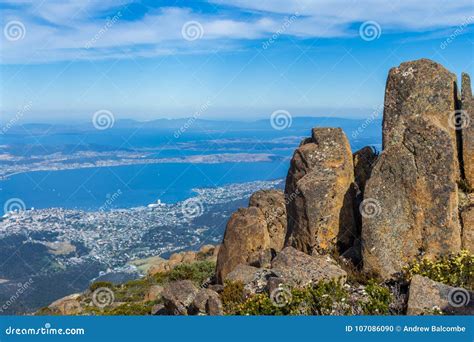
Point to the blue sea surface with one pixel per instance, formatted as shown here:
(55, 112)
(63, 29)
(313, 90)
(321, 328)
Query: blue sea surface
(138, 185)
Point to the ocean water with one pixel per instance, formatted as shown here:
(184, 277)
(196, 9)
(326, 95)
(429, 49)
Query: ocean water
(138, 185)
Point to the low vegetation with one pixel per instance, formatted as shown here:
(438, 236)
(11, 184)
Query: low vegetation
(454, 269)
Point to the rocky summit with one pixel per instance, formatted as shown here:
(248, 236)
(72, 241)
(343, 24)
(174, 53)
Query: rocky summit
(389, 232)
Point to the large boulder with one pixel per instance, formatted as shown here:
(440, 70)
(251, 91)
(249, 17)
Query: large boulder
(411, 202)
(428, 297)
(207, 302)
(301, 269)
(178, 297)
(466, 123)
(467, 218)
(319, 193)
(272, 205)
(254, 279)
(418, 88)
(246, 241)
(69, 305)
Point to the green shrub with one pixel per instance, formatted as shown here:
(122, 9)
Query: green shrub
(454, 269)
(324, 298)
(98, 284)
(232, 296)
(197, 272)
(379, 299)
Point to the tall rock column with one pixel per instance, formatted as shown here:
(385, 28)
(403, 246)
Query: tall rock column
(410, 207)
(466, 123)
(319, 193)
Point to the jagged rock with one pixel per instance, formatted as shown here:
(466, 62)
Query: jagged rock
(158, 268)
(418, 88)
(176, 257)
(159, 309)
(466, 122)
(272, 205)
(246, 241)
(153, 293)
(69, 305)
(364, 160)
(411, 201)
(207, 302)
(207, 250)
(254, 279)
(319, 193)
(242, 273)
(178, 296)
(188, 257)
(467, 218)
(302, 269)
(427, 297)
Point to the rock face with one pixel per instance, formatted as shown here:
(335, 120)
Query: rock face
(467, 217)
(466, 122)
(207, 302)
(427, 297)
(272, 205)
(319, 193)
(246, 241)
(301, 269)
(418, 88)
(253, 235)
(364, 160)
(410, 206)
(69, 305)
(178, 296)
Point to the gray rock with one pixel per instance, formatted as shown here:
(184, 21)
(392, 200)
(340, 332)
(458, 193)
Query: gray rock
(272, 205)
(429, 297)
(410, 202)
(319, 193)
(466, 122)
(207, 302)
(178, 296)
(302, 269)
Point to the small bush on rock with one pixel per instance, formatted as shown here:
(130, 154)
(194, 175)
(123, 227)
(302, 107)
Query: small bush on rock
(454, 269)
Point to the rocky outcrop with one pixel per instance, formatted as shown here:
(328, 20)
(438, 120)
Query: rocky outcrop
(466, 125)
(207, 302)
(420, 88)
(410, 207)
(319, 192)
(428, 297)
(302, 269)
(156, 265)
(467, 218)
(272, 205)
(69, 305)
(254, 234)
(178, 296)
(246, 241)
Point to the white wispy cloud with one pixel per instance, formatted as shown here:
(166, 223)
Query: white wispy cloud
(69, 29)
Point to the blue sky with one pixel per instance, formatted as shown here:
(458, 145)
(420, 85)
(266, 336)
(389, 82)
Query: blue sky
(65, 60)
